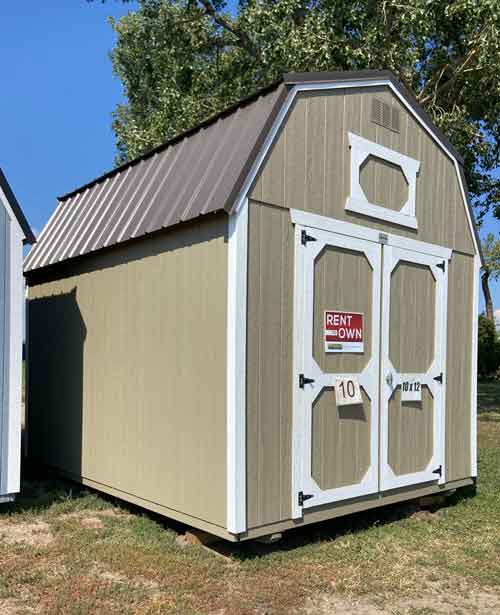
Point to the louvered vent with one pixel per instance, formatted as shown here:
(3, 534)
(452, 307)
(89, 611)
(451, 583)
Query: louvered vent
(385, 115)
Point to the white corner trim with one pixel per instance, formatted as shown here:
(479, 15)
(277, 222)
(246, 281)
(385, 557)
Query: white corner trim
(473, 403)
(16, 359)
(307, 87)
(236, 370)
(357, 201)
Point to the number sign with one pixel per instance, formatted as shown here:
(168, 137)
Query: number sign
(343, 331)
(411, 390)
(347, 392)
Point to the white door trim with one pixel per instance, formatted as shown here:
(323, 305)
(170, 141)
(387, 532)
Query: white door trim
(236, 370)
(388, 479)
(303, 399)
(305, 218)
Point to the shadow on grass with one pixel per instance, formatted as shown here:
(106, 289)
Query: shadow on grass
(41, 489)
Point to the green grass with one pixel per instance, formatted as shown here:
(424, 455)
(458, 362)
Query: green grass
(93, 555)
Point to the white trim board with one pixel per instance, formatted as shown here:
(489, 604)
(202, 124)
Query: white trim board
(325, 223)
(236, 520)
(361, 83)
(473, 402)
(16, 354)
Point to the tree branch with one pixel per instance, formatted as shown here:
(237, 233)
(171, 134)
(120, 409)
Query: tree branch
(241, 36)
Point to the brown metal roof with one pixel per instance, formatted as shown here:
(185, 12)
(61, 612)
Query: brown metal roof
(198, 172)
(191, 175)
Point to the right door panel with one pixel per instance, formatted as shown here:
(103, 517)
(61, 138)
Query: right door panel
(412, 355)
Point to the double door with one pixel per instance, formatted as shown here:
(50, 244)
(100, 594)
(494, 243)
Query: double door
(369, 357)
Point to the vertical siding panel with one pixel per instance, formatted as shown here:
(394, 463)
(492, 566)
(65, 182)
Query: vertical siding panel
(270, 343)
(458, 368)
(273, 182)
(253, 361)
(295, 162)
(336, 153)
(314, 194)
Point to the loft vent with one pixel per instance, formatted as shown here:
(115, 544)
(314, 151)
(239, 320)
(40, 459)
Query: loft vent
(385, 115)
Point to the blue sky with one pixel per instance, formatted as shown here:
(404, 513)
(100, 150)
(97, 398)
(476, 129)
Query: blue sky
(57, 96)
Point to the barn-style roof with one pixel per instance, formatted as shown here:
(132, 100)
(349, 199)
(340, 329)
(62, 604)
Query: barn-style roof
(198, 172)
(29, 237)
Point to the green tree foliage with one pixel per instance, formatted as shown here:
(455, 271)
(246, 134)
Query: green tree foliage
(488, 349)
(183, 60)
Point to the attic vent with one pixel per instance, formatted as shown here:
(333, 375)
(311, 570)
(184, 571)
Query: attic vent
(385, 115)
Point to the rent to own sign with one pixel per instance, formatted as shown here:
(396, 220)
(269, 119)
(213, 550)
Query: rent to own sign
(343, 331)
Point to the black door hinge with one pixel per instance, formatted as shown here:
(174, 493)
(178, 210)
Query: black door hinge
(303, 497)
(438, 471)
(442, 265)
(303, 380)
(304, 238)
(439, 378)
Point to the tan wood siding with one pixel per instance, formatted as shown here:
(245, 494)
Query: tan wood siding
(411, 441)
(269, 356)
(412, 318)
(458, 366)
(383, 183)
(127, 382)
(340, 441)
(309, 166)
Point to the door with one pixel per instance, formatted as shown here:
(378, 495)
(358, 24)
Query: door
(394, 436)
(413, 350)
(335, 448)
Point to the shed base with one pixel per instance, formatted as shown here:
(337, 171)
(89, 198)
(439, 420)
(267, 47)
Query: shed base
(313, 515)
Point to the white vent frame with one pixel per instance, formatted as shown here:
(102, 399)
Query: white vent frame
(357, 201)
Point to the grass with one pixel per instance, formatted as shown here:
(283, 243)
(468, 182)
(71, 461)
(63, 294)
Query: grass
(66, 550)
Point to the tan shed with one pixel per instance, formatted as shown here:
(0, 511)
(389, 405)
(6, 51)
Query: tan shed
(269, 320)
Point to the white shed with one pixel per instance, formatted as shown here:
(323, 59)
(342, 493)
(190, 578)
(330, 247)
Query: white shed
(14, 233)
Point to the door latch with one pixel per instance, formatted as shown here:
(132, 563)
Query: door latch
(439, 378)
(438, 471)
(389, 379)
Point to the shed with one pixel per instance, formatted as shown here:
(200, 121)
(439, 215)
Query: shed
(269, 320)
(14, 232)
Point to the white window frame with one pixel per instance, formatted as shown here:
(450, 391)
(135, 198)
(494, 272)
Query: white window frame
(357, 201)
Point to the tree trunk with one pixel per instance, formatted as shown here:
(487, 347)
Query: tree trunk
(487, 295)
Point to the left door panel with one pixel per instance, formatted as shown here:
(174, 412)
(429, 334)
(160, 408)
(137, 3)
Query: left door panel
(335, 447)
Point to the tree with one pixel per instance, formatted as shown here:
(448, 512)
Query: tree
(488, 356)
(183, 60)
(490, 270)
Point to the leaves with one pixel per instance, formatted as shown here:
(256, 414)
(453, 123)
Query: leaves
(183, 60)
